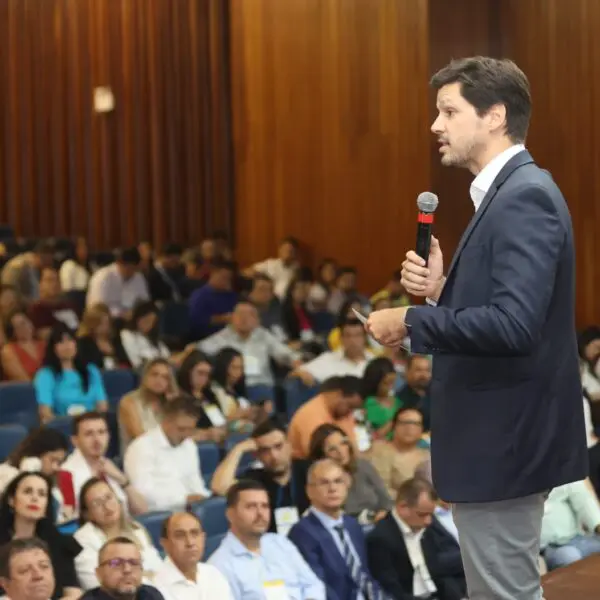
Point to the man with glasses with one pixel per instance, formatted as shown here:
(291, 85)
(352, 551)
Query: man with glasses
(332, 543)
(120, 573)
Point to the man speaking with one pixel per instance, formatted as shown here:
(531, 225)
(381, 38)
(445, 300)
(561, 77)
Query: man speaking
(506, 412)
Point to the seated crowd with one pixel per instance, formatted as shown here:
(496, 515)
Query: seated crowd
(282, 452)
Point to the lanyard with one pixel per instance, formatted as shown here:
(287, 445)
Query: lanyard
(291, 486)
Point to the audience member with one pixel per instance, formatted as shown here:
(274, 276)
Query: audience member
(212, 304)
(182, 575)
(262, 295)
(120, 572)
(344, 290)
(102, 518)
(26, 511)
(570, 525)
(52, 307)
(119, 285)
(331, 542)
(43, 450)
(141, 410)
(65, 385)
(281, 269)
(334, 338)
(397, 459)
(320, 290)
(337, 399)
(165, 273)
(193, 378)
(23, 355)
(351, 359)
(415, 393)
(91, 438)
(296, 318)
(393, 291)
(76, 270)
(193, 273)
(281, 476)
(96, 341)
(146, 256)
(381, 402)
(258, 564)
(163, 463)
(141, 339)
(257, 345)
(411, 554)
(26, 570)
(367, 499)
(23, 271)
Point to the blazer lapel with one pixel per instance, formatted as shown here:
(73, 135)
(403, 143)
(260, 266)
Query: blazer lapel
(329, 546)
(520, 159)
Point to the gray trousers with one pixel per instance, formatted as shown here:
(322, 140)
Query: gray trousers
(500, 547)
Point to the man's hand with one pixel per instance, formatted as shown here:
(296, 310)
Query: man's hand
(424, 281)
(109, 469)
(387, 325)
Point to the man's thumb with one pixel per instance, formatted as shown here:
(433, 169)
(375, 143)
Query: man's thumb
(435, 244)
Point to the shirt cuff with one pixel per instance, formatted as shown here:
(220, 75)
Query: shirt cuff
(430, 302)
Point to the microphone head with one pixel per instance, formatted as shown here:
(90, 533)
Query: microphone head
(427, 202)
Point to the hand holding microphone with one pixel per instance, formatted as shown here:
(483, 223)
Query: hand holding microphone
(423, 269)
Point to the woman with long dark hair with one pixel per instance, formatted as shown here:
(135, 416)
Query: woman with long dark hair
(26, 511)
(66, 385)
(295, 316)
(24, 353)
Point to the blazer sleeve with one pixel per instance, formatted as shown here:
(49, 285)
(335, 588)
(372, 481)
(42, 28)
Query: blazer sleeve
(444, 560)
(309, 549)
(383, 566)
(524, 253)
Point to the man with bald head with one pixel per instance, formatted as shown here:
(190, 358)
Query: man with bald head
(332, 543)
(183, 576)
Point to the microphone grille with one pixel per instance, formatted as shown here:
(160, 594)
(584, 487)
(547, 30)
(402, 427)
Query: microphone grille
(427, 202)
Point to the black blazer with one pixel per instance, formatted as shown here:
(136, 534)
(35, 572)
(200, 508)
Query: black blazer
(506, 418)
(390, 564)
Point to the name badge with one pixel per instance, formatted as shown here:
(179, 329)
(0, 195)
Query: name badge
(363, 439)
(285, 518)
(307, 335)
(215, 416)
(251, 365)
(275, 590)
(75, 409)
(109, 363)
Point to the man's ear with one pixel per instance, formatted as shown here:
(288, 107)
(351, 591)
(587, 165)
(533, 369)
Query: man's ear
(496, 117)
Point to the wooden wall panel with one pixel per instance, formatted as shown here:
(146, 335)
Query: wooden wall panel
(330, 127)
(158, 166)
(562, 61)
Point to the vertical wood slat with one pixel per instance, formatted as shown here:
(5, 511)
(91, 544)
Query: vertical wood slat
(137, 172)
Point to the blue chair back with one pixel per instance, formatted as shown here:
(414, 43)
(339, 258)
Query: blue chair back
(18, 404)
(153, 521)
(209, 456)
(65, 426)
(296, 394)
(10, 437)
(259, 393)
(211, 513)
(174, 320)
(118, 383)
(212, 543)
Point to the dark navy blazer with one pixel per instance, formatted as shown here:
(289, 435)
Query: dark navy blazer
(506, 398)
(320, 551)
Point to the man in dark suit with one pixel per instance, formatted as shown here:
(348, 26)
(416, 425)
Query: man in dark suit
(507, 418)
(410, 552)
(333, 544)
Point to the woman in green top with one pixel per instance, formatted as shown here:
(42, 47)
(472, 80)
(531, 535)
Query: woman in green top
(381, 403)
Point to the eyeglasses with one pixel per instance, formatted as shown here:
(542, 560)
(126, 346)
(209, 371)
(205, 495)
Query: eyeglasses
(119, 563)
(415, 423)
(98, 502)
(325, 483)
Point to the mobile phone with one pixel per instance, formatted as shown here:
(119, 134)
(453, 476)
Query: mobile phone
(360, 316)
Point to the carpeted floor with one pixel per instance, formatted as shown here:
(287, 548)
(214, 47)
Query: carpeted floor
(579, 581)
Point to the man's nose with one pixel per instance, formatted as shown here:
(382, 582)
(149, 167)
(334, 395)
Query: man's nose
(436, 126)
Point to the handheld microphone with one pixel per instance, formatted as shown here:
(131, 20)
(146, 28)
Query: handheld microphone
(427, 204)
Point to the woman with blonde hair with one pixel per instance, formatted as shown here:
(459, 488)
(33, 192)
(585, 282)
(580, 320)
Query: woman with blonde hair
(96, 340)
(102, 519)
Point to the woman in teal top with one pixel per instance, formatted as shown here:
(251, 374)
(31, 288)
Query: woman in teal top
(381, 403)
(65, 385)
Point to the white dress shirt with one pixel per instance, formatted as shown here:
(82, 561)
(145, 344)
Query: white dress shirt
(279, 272)
(423, 585)
(73, 276)
(92, 538)
(81, 472)
(140, 349)
(483, 182)
(164, 474)
(210, 583)
(331, 364)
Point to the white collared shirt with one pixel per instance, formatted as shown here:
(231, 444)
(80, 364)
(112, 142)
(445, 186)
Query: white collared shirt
(423, 585)
(164, 474)
(329, 364)
(483, 182)
(210, 583)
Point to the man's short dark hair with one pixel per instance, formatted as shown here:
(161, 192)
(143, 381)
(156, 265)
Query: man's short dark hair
(410, 491)
(164, 528)
(129, 256)
(92, 415)
(243, 485)
(219, 264)
(182, 404)
(45, 247)
(121, 539)
(404, 409)
(268, 426)
(171, 249)
(413, 357)
(291, 240)
(347, 385)
(485, 82)
(17, 546)
(350, 322)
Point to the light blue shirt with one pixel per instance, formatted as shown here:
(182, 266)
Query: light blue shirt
(64, 392)
(278, 560)
(445, 518)
(330, 524)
